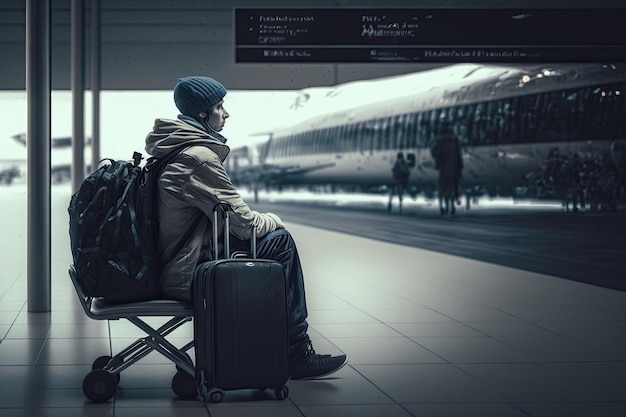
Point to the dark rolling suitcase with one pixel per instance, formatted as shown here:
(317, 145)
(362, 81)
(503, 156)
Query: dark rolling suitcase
(240, 323)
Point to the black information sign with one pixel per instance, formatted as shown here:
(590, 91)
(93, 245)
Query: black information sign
(429, 35)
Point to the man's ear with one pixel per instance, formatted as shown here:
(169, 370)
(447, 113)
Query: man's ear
(202, 115)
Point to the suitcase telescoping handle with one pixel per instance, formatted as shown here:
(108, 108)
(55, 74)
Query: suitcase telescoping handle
(225, 208)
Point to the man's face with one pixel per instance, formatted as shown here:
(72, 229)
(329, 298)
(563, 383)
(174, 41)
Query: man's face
(218, 116)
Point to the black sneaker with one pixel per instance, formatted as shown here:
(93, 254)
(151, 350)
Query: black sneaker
(313, 365)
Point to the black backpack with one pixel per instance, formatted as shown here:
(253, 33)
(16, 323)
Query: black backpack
(114, 230)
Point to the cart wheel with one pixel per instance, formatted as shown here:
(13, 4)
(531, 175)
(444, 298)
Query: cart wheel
(184, 385)
(281, 392)
(216, 395)
(99, 385)
(101, 362)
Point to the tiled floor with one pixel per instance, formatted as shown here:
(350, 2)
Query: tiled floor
(427, 335)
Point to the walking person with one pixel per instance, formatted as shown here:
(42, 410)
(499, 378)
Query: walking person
(400, 173)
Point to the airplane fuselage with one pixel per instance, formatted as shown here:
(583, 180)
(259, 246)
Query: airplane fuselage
(509, 122)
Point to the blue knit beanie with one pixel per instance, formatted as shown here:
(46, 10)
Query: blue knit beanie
(194, 95)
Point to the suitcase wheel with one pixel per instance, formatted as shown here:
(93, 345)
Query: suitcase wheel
(216, 395)
(184, 385)
(281, 392)
(99, 385)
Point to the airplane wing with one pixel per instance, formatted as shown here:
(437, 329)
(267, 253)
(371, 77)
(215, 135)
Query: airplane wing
(274, 173)
(297, 169)
(55, 142)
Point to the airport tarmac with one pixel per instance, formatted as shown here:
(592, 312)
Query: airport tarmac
(536, 236)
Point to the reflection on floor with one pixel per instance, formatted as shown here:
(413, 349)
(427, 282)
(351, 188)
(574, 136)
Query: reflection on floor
(427, 335)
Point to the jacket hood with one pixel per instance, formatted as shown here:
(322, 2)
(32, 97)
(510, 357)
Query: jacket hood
(168, 135)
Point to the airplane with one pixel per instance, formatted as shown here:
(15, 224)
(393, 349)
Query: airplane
(510, 120)
(58, 142)
(60, 169)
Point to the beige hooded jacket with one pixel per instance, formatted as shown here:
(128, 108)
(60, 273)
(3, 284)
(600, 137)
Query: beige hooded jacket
(190, 187)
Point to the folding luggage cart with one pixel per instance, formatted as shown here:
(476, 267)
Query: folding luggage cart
(100, 384)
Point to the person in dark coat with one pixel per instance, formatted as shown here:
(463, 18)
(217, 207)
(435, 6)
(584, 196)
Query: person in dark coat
(449, 162)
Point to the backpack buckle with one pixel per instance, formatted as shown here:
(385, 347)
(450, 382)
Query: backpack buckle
(137, 157)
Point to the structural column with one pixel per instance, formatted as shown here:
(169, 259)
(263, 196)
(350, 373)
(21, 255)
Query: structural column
(38, 37)
(78, 92)
(95, 83)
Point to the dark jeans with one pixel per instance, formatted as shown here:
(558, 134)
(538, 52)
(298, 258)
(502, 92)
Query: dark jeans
(280, 246)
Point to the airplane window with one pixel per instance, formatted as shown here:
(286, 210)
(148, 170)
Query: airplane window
(314, 143)
(432, 126)
(340, 144)
(293, 149)
(310, 137)
(353, 138)
(381, 136)
(365, 132)
(336, 142)
(319, 141)
(326, 143)
(411, 130)
(401, 131)
(392, 139)
(424, 132)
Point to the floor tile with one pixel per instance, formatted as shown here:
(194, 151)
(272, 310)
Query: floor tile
(350, 316)
(478, 314)
(519, 382)
(28, 331)
(8, 317)
(139, 398)
(48, 398)
(609, 337)
(428, 383)
(380, 351)
(161, 412)
(105, 410)
(501, 331)
(574, 409)
(45, 376)
(451, 329)
(344, 387)
(369, 410)
(20, 351)
(254, 411)
(72, 351)
(411, 315)
(10, 305)
(465, 410)
(593, 381)
(356, 330)
(556, 349)
(480, 349)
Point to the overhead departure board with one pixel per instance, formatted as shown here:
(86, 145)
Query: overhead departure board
(429, 35)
